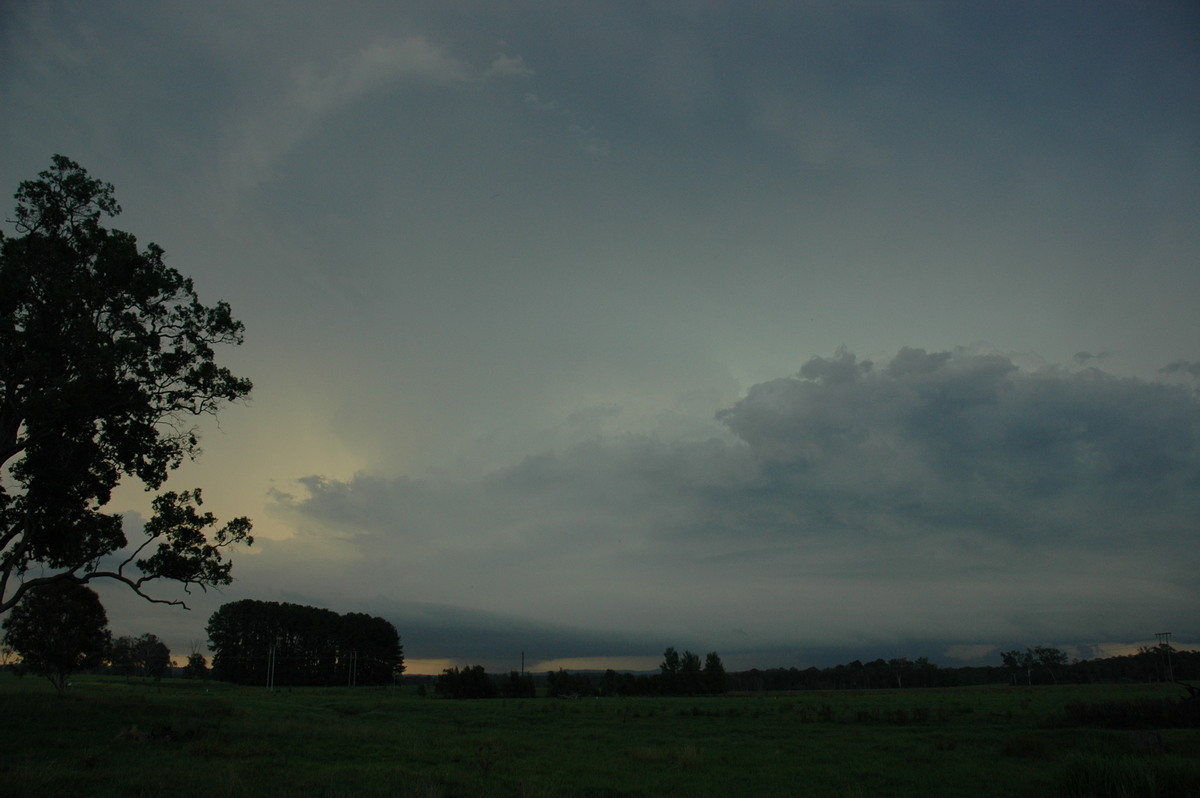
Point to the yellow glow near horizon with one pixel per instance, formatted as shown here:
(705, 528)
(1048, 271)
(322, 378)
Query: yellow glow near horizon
(642, 663)
(428, 667)
(434, 667)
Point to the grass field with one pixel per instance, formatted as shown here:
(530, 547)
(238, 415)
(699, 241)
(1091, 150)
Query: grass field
(114, 737)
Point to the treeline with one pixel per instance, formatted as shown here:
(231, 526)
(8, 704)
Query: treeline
(474, 682)
(683, 675)
(1032, 667)
(139, 656)
(267, 642)
(679, 674)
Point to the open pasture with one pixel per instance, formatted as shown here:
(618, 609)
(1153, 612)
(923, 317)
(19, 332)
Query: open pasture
(114, 737)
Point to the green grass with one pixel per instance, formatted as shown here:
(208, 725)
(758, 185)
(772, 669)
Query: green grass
(109, 737)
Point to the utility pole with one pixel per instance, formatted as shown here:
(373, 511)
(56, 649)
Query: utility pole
(1164, 645)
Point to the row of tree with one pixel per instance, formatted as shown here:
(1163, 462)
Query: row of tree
(1043, 658)
(273, 643)
(473, 681)
(1034, 666)
(679, 674)
(61, 628)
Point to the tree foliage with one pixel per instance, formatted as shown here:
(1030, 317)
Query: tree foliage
(518, 685)
(58, 629)
(714, 677)
(197, 666)
(106, 355)
(291, 644)
(1051, 660)
(471, 681)
(684, 675)
(140, 656)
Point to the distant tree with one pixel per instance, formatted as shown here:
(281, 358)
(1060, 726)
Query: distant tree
(715, 680)
(925, 671)
(197, 666)
(876, 673)
(253, 641)
(106, 354)
(1018, 662)
(371, 648)
(140, 656)
(668, 679)
(121, 656)
(518, 685)
(58, 629)
(564, 684)
(689, 674)
(154, 656)
(610, 683)
(899, 667)
(471, 681)
(1050, 659)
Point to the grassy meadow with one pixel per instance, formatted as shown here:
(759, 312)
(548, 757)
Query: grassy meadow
(116, 737)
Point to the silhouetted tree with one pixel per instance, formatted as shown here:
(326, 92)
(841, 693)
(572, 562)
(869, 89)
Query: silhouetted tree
(105, 355)
(564, 684)
(197, 666)
(1051, 659)
(140, 656)
(469, 682)
(670, 664)
(899, 668)
(518, 685)
(298, 645)
(58, 629)
(689, 674)
(1017, 662)
(714, 674)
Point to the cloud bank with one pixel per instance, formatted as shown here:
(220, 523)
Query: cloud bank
(940, 496)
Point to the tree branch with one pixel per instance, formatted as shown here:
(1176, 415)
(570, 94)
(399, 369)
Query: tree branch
(136, 585)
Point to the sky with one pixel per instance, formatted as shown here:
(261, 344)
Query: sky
(798, 331)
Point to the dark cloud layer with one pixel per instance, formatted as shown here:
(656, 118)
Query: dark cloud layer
(945, 496)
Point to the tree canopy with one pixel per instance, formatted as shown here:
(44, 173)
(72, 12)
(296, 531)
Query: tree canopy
(107, 356)
(259, 642)
(140, 656)
(58, 629)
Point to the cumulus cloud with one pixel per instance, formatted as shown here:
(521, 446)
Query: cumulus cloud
(851, 502)
(973, 443)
